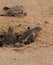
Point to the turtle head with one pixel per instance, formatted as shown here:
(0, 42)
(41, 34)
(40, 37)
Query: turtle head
(36, 29)
(10, 29)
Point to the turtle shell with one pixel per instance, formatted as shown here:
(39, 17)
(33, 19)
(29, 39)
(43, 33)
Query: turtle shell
(15, 10)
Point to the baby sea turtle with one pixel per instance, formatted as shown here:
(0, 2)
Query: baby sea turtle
(29, 35)
(9, 38)
(14, 11)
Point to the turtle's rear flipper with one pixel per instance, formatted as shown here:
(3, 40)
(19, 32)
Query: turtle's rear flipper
(17, 35)
(25, 14)
(18, 46)
(6, 8)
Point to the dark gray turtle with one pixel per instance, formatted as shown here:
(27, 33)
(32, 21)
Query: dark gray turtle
(10, 38)
(29, 35)
(14, 11)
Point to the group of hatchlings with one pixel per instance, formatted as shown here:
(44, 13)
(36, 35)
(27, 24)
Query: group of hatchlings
(10, 38)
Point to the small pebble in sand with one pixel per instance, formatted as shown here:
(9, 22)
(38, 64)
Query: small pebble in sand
(46, 22)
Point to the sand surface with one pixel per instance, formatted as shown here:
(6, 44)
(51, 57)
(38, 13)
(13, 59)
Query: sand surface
(41, 51)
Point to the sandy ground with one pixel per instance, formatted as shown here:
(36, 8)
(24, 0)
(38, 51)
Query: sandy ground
(41, 51)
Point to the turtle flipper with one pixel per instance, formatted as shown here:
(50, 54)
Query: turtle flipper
(17, 36)
(6, 8)
(1, 40)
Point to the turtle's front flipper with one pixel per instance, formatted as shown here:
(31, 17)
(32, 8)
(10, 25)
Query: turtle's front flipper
(6, 8)
(18, 36)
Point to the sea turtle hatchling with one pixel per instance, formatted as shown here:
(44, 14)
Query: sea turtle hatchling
(29, 36)
(9, 38)
(14, 11)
